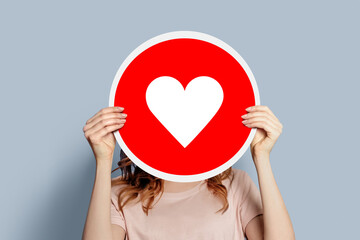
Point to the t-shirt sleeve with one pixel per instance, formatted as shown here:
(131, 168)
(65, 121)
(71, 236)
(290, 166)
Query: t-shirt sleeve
(116, 215)
(250, 203)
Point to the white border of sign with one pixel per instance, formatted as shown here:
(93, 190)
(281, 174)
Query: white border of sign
(191, 35)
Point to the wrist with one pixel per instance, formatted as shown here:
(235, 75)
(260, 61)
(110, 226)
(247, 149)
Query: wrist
(260, 159)
(104, 162)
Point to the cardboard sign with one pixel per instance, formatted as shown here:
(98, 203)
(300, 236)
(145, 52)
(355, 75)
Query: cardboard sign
(184, 93)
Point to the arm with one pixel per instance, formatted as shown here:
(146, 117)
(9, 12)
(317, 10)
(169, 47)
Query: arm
(98, 225)
(275, 222)
(98, 131)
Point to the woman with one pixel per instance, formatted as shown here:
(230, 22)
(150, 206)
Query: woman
(137, 205)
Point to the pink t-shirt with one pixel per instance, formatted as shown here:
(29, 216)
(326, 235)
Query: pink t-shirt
(191, 214)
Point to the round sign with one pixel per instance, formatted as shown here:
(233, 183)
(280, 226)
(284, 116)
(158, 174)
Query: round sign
(184, 93)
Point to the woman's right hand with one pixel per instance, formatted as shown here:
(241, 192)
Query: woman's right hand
(99, 131)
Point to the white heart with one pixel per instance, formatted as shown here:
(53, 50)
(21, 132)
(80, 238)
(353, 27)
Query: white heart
(184, 113)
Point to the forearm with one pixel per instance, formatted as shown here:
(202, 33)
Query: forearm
(98, 224)
(277, 223)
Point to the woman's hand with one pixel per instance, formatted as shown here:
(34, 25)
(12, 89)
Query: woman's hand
(99, 131)
(268, 129)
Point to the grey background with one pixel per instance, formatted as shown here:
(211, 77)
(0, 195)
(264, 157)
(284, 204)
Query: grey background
(58, 60)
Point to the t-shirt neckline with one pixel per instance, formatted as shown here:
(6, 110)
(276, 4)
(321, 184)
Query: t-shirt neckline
(185, 193)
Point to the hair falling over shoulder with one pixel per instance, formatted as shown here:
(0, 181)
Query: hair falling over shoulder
(138, 183)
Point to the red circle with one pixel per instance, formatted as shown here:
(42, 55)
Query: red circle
(184, 59)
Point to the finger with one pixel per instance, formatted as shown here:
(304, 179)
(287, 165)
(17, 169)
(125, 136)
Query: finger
(271, 118)
(104, 111)
(104, 117)
(108, 129)
(271, 132)
(265, 109)
(104, 123)
(262, 108)
(261, 119)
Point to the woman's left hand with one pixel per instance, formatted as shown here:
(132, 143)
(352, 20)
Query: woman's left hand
(268, 130)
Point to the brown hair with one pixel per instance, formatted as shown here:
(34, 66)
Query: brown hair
(140, 183)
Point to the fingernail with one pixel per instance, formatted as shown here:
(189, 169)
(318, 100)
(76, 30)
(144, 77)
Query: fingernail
(124, 114)
(249, 109)
(121, 108)
(243, 116)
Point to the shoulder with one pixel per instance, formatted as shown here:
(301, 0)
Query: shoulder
(116, 187)
(240, 184)
(241, 177)
(238, 172)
